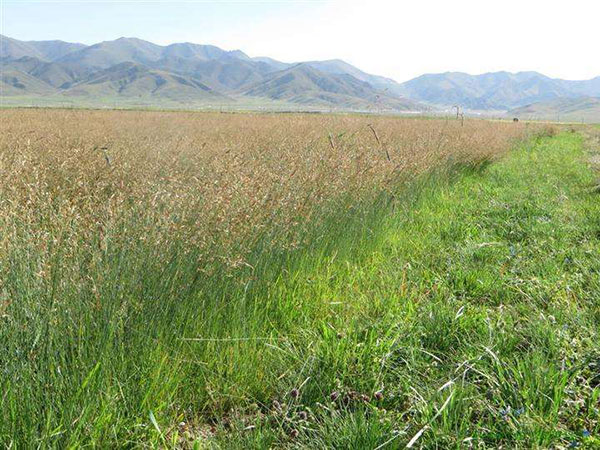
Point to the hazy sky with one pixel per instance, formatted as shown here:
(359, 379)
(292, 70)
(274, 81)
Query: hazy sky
(399, 39)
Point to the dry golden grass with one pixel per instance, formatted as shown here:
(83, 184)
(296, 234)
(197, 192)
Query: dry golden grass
(213, 179)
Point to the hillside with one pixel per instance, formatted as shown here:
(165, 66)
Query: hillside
(202, 52)
(57, 75)
(585, 87)
(339, 67)
(304, 84)
(494, 91)
(110, 53)
(14, 82)
(45, 50)
(231, 74)
(129, 68)
(500, 90)
(586, 109)
(273, 64)
(136, 80)
(227, 74)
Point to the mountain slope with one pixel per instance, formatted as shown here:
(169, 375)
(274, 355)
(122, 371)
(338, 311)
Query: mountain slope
(494, 91)
(304, 84)
(219, 69)
(14, 49)
(53, 50)
(43, 50)
(110, 53)
(55, 74)
(272, 64)
(226, 74)
(202, 52)
(135, 80)
(585, 87)
(339, 67)
(15, 82)
(131, 67)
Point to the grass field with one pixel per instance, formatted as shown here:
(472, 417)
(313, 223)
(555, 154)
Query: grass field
(151, 103)
(256, 281)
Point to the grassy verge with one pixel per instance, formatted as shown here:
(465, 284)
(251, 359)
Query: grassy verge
(462, 312)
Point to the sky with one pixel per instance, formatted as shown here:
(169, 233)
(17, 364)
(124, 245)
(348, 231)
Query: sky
(398, 39)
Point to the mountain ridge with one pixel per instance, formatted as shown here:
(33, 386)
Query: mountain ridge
(304, 80)
(133, 68)
(495, 90)
(53, 68)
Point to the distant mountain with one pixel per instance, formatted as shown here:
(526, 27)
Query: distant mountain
(133, 68)
(494, 91)
(16, 83)
(585, 109)
(226, 74)
(44, 50)
(273, 64)
(57, 75)
(135, 80)
(339, 67)
(11, 48)
(110, 53)
(303, 83)
(52, 50)
(203, 52)
(584, 88)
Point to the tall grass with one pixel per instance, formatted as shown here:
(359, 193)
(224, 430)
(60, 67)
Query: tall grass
(147, 260)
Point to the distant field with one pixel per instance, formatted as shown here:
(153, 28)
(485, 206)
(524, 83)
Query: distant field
(146, 102)
(206, 280)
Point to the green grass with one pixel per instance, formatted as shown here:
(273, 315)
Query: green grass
(470, 299)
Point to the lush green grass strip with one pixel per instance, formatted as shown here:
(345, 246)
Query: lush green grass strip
(476, 313)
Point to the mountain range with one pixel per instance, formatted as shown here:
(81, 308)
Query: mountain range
(496, 90)
(134, 70)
